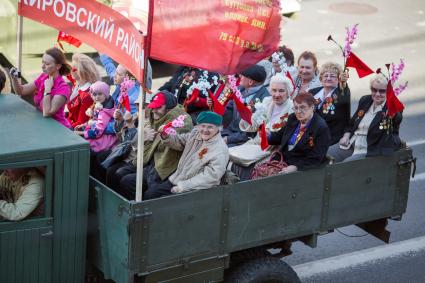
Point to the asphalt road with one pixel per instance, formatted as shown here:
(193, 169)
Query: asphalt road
(388, 30)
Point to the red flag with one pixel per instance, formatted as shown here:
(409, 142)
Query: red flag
(243, 110)
(192, 98)
(393, 104)
(263, 136)
(362, 69)
(221, 36)
(125, 102)
(62, 36)
(71, 79)
(217, 106)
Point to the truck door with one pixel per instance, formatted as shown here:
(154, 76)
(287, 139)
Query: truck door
(26, 246)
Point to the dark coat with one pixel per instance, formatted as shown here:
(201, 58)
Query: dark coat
(310, 151)
(231, 119)
(340, 120)
(379, 141)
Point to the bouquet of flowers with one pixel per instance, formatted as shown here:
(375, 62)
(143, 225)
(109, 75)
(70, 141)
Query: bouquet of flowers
(350, 59)
(259, 116)
(170, 127)
(394, 72)
(203, 85)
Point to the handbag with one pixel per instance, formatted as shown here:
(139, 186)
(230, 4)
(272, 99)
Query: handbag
(247, 154)
(120, 151)
(270, 167)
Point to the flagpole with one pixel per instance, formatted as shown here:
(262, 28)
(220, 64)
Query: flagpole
(142, 107)
(19, 43)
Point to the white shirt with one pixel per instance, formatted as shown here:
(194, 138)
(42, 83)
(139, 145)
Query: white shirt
(360, 135)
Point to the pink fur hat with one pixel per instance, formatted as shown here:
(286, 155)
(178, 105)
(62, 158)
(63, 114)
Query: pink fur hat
(100, 87)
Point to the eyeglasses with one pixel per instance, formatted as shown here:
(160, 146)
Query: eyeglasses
(330, 76)
(300, 108)
(380, 90)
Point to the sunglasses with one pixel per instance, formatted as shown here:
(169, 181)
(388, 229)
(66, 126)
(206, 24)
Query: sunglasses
(375, 90)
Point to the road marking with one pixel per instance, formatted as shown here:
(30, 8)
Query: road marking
(418, 177)
(335, 263)
(417, 142)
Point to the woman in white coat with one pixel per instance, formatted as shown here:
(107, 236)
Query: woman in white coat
(274, 112)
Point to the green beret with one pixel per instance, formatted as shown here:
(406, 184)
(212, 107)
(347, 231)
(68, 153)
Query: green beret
(209, 117)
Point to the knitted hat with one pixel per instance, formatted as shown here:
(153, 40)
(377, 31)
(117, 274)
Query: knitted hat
(100, 87)
(210, 118)
(256, 73)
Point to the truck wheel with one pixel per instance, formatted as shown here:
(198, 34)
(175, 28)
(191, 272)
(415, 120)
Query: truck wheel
(262, 270)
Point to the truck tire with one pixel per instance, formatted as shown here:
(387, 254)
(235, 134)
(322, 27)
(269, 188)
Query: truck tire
(262, 270)
(240, 257)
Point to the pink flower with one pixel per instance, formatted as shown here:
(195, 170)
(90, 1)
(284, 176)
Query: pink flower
(400, 89)
(396, 71)
(178, 122)
(170, 131)
(351, 35)
(232, 84)
(126, 85)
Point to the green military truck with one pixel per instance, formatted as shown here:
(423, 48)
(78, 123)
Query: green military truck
(223, 233)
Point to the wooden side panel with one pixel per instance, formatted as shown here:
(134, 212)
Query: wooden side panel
(275, 208)
(26, 255)
(178, 229)
(70, 214)
(362, 190)
(108, 246)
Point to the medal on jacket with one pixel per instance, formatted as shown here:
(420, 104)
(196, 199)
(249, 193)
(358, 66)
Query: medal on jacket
(328, 106)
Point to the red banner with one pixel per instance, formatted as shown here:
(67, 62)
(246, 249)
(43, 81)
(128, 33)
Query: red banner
(224, 36)
(93, 23)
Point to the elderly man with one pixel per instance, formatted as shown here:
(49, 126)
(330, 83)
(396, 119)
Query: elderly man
(159, 161)
(252, 89)
(204, 159)
(21, 192)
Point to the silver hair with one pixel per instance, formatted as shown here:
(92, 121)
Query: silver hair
(379, 79)
(280, 78)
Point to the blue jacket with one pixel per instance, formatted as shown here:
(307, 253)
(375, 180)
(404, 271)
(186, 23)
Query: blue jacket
(133, 93)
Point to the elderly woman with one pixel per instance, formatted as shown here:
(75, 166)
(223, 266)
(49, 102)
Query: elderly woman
(333, 99)
(101, 113)
(275, 111)
(84, 73)
(305, 139)
(307, 77)
(204, 158)
(371, 131)
(50, 89)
